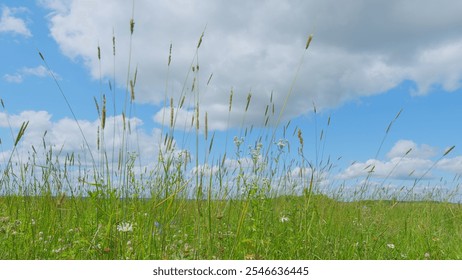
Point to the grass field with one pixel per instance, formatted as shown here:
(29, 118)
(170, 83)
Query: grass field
(188, 206)
(276, 228)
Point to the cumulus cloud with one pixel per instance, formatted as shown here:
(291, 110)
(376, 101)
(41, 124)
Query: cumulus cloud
(394, 168)
(360, 48)
(452, 165)
(9, 23)
(65, 136)
(406, 160)
(409, 149)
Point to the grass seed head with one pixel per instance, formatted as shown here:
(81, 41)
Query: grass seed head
(172, 112)
(182, 101)
(113, 44)
(200, 40)
(136, 74)
(308, 42)
(448, 150)
(103, 113)
(193, 83)
(206, 126)
(300, 137)
(97, 138)
(231, 100)
(97, 106)
(21, 132)
(249, 97)
(132, 26)
(170, 55)
(132, 90)
(124, 121)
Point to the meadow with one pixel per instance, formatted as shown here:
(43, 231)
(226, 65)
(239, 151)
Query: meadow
(286, 227)
(243, 206)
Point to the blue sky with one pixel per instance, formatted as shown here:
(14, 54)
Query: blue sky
(367, 61)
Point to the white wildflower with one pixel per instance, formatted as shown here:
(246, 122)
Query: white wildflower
(391, 246)
(124, 227)
(238, 141)
(284, 219)
(256, 152)
(57, 251)
(282, 143)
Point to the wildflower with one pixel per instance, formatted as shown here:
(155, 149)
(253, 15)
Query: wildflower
(249, 257)
(124, 227)
(281, 143)
(427, 255)
(391, 246)
(32, 222)
(284, 219)
(255, 152)
(238, 141)
(57, 251)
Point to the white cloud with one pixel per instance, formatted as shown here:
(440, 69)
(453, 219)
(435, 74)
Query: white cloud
(439, 66)
(409, 149)
(39, 71)
(60, 6)
(65, 135)
(397, 168)
(406, 160)
(360, 48)
(10, 23)
(453, 165)
(13, 78)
